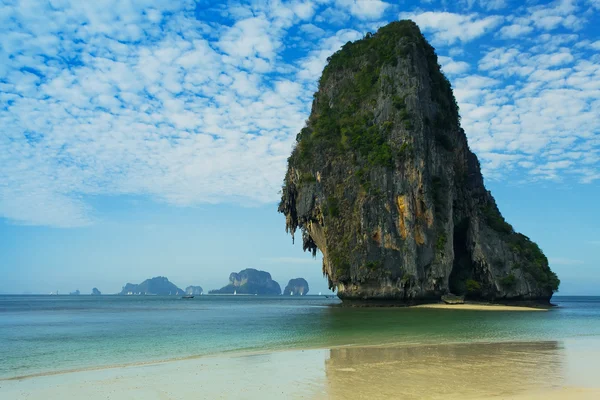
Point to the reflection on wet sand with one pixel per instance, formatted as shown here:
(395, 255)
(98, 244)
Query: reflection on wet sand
(444, 371)
(540, 370)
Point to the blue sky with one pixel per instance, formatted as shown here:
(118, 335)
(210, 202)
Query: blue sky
(142, 138)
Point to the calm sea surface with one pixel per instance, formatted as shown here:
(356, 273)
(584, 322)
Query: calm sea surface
(40, 334)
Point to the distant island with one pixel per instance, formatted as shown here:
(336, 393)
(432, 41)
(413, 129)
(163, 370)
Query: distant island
(96, 292)
(159, 286)
(250, 281)
(75, 293)
(194, 290)
(296, 287)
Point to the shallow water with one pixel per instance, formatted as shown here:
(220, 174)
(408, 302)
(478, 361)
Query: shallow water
(40, 334)
(545, 370)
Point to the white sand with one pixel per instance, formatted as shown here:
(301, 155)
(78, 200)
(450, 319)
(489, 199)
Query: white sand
(566, 393)
(479, 307)
(537, 370)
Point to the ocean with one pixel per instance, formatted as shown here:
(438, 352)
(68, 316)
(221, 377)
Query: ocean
(48, 334)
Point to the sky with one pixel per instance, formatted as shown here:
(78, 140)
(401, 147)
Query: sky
(148, 137)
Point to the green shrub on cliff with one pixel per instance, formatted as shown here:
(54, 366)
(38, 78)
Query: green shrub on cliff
(473, 287)
(333, 207)
(535, 262)
(441, 242)
(496, 221)
(508, 281)
(349, 124)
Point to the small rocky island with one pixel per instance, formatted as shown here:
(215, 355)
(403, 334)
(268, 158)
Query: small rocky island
(159, 286)
(95, 292)
(250, 281)
(194, 290)
(75, 293)
(296, 287)
(383, 183)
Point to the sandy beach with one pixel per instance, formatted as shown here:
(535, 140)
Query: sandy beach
(479, 307)
(517, 370)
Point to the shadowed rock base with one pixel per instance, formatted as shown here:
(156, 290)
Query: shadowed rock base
(391, 302)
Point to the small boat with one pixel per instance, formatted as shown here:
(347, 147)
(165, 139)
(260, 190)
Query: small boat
(187, 296)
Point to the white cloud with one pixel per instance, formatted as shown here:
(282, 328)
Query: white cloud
(333, 16)
(304, 10)
(364, 9)
(449, 28)
(559, 13)
(312, 30)
(312, 65)
(547, 115)
(144, 98)
(251, 37)
(451, 67)
(595, 45)
(174, 116)
(485, 4)
(515, 31)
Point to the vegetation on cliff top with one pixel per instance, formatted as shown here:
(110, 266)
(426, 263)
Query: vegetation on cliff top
(533, 260)
(346, 124)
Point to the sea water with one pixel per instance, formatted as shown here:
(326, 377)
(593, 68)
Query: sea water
(46, 334)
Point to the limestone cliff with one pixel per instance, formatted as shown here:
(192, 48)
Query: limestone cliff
(158, 285)
(296, 287)
(250, 281)
(383, 183)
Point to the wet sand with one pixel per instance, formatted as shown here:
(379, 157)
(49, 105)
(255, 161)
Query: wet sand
(519, 370)
(479, 307)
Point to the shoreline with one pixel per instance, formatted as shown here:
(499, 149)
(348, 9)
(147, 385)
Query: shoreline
(481, 307)
(250, 353)
(515, 370)
(434, 301)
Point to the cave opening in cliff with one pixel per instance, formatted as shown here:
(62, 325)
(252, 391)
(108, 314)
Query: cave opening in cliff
(462, 268)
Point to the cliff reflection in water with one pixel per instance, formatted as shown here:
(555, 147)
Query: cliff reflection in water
(444, 371)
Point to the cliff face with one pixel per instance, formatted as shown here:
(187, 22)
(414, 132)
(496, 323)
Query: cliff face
(250, 281)
(383, 183)
(296, 287)
(159, 285)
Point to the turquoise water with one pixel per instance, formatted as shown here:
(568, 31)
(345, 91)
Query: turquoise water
(40, 334)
